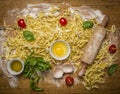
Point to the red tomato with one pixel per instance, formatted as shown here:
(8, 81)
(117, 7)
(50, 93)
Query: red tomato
(21, 23)
(69, 80)
(63, 21)
(112, 49)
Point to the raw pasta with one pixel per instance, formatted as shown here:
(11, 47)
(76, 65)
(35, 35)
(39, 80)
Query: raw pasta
(46, 29)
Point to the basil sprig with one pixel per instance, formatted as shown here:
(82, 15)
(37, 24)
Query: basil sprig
(34, 65)
(28, 35)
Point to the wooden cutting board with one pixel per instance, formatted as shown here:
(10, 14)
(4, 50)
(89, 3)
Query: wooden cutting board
(112, 84)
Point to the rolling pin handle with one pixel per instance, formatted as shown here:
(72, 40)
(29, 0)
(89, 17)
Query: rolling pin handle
(83, 69)
(104, 21)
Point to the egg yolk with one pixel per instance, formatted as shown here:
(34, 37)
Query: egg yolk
(59, 49)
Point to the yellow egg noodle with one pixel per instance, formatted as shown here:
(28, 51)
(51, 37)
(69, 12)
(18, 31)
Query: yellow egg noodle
(46, 29)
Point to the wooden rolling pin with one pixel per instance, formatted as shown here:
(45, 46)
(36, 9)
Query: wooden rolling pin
(93, 46)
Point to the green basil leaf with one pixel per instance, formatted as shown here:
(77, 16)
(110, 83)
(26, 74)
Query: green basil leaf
(38, 89)
(112, 69)
(28, 35)
(36, 79)
(28, 75)
(87, 24)
(47, 65)
(35, 88)
(33, 61)
(39, 59)
(33, 83)
(28, 58)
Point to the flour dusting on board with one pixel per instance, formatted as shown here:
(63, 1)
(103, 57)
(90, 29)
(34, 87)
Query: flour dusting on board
(88, 13)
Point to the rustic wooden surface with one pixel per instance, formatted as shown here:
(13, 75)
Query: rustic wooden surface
(112, 85)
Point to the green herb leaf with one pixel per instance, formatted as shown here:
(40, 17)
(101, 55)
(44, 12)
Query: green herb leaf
(28, 58)
(33, 61)
(112, 69)
(28, 35)
(35, 88)
(28, 73)
(87, 24)
(36, 79)
(33, 65)
(33, 83)
(39, 59)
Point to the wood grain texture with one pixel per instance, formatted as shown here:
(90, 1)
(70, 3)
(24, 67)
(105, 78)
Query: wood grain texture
(112, 84)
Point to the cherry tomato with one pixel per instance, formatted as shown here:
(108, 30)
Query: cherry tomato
(21, 23)
(69, 80)
(112, 49)
(63, 21)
